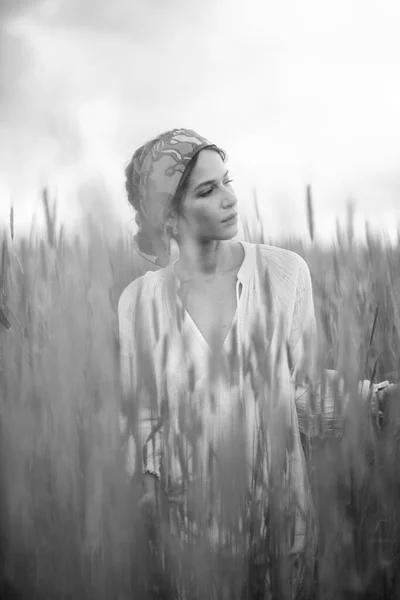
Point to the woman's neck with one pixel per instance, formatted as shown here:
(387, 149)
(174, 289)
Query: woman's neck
(202, 258)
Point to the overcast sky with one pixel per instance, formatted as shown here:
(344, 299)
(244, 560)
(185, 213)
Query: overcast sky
(295, 91)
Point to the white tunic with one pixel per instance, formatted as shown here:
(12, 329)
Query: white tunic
(203, 404)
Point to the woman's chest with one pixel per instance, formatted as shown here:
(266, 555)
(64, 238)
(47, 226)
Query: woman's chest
(212, 307)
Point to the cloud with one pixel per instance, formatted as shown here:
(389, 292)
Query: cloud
(141, 18)
(9, 9)
(294, 92)
(14, 64)
(33, 114)
(15, 54)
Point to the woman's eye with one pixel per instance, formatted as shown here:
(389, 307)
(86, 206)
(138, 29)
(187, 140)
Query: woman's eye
(206, 193)
(210, 190)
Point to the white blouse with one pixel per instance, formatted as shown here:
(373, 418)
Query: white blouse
(197, 401)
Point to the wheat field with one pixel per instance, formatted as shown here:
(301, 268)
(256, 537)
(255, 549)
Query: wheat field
(70, 523)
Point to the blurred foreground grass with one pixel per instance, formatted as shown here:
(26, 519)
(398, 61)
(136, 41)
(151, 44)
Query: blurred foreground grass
(69, 526)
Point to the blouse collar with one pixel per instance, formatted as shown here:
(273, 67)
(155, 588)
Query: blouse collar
(245, 270)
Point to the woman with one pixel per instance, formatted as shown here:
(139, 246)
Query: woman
(216, 346)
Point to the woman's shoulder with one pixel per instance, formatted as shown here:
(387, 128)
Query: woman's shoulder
(280, 259)
(131, 294)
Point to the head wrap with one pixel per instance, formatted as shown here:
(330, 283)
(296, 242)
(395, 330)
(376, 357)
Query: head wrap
(156, 170)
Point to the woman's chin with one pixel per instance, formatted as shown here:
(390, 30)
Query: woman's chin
(231, 232)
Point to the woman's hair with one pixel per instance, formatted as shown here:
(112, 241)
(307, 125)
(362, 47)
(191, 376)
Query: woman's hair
(146, 232)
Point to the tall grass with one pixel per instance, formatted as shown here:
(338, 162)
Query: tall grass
(70, 522)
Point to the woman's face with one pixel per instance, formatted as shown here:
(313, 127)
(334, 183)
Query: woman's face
(209, 209)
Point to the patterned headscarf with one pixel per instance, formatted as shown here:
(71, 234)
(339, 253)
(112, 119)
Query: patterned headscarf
(155, 172)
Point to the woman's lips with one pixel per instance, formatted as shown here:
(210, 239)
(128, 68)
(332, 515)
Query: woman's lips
(231, 219)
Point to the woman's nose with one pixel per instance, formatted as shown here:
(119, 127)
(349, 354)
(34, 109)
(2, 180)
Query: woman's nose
(229, 199)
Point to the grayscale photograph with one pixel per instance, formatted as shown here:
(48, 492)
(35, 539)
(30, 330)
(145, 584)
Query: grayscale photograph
(199, 300)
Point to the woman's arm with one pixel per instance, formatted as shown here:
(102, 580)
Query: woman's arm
(320, 398)
(322, 411)
(138, 418)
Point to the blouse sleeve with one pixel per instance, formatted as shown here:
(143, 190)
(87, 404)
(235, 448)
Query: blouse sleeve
(320, 406)
(137, 418)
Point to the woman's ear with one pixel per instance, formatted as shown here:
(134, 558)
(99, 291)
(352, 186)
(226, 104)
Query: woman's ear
(173, 250)
(171, 225)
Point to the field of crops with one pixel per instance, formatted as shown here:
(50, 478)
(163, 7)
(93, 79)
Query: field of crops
(70, 525)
